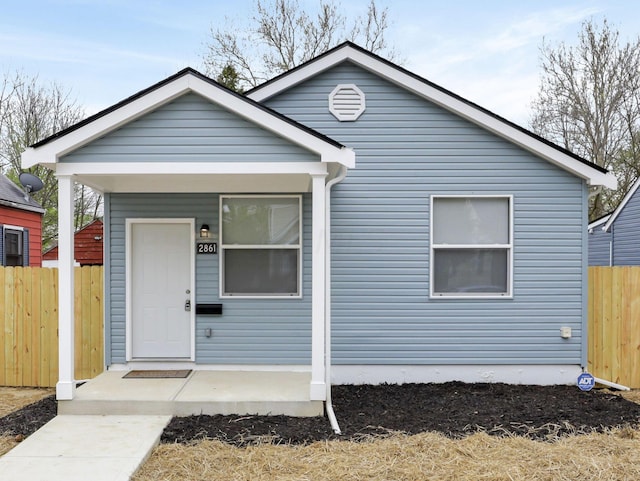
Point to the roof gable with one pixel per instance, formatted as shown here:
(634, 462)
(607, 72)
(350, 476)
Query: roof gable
(349, 52)
(190, 128)
(49, 151)
(614, 215)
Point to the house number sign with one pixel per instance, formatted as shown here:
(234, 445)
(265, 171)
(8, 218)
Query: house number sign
(207, 248)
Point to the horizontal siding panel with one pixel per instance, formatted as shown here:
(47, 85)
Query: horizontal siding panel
(600, 247)
(626, 234)
(190, 129)
(249, 331)
(406, 151)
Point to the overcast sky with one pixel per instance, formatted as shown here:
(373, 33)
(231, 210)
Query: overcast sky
(485, 50)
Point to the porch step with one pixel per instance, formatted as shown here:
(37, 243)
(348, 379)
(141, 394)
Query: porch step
(203, 392)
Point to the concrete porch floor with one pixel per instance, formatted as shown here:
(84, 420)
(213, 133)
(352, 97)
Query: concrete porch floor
(202, 392)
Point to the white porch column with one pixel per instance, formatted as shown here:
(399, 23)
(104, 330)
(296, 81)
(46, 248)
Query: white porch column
(318, 387)
(65, 388)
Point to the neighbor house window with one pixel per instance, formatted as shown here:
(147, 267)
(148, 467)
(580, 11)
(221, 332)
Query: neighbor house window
(261, 238)
(471, 246)
(13, 247)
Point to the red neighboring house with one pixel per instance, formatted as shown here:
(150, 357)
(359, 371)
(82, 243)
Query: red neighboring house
(88, 246)
(20, 227)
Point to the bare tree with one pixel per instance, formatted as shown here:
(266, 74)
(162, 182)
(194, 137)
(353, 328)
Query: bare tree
(589, 102)
(31, 113)
(282, 35)
(7, 87)
(87, 205)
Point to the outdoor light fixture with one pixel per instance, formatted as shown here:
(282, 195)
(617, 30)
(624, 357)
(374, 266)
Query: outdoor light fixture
(204, 230)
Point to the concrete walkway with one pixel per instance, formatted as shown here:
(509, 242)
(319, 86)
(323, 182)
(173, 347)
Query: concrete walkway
(76, 447)
(202, 392)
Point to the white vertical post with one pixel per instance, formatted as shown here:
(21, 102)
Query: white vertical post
(318, 388)
(65, 388)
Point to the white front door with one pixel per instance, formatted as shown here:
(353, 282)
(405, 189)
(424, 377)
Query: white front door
(160, 293)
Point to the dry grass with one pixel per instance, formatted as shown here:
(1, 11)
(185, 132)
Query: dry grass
(12, 399)
(428, 456)
(614, 456)
(633, 395)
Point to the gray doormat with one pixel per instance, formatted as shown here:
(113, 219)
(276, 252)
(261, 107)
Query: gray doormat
(157, 374)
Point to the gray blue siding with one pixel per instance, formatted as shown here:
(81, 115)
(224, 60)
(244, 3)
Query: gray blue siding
(190, 129)
(626, 234)
(407, 150)
(256, 331)
(620, 245)
(599, 247)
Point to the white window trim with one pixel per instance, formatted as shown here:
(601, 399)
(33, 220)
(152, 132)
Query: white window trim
(298, 247)
(12, 227)
(509, 247)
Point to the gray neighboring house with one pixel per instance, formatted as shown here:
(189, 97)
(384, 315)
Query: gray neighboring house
(348, 218)
(614, 240)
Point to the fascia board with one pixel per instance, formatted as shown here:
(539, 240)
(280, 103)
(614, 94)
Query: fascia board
(260, 94)
(444, 100)
(50, 153)
(622, 205)
(599, 222)
(196, 168)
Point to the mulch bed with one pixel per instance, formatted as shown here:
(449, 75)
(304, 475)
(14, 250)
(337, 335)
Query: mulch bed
(454, 409)
(30, 418)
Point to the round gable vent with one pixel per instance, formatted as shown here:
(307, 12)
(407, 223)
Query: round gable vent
(346, 102)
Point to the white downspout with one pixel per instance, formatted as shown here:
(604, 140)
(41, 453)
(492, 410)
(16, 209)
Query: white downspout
(327, 299)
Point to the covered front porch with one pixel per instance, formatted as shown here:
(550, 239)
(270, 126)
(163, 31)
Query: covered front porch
(169, 156)
(200, 392)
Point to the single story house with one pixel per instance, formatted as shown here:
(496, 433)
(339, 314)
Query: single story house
(20, 227)
(88, 247)
(348, 218)
(614, 239)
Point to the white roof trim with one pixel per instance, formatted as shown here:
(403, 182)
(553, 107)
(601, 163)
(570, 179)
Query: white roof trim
(186, 168)
(625, 201)
(50, 153)
(439, 97)
(598, 222)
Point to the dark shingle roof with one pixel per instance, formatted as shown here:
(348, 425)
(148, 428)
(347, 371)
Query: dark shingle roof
(13, 196)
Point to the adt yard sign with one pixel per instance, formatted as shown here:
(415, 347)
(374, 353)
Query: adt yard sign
(586, 381)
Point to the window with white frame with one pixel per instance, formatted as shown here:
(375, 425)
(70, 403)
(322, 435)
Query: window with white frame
(471, 246)
(261, 239)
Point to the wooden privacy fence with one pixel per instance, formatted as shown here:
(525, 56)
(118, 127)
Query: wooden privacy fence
(29, 325)
(614, 324)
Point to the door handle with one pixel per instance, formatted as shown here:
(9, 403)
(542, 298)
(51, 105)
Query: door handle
(187, 305)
